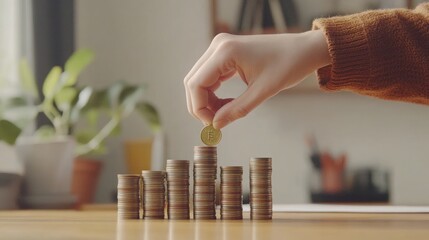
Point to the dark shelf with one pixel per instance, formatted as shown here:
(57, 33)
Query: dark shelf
(349, 197)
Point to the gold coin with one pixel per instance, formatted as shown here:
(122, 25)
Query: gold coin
(210, 136)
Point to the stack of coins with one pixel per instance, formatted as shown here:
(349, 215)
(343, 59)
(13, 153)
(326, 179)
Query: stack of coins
(205, 166)
(231, 197)
(128, 196)
(261, 199)
(177, 189)
(153, 194)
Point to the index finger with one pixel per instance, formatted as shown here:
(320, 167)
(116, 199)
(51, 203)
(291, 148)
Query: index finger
(201, 84)
(197, 65)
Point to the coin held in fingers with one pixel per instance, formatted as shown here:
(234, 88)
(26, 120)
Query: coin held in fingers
(210, 136)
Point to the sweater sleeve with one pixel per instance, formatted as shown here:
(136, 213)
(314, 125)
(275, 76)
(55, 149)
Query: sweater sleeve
(380, 53)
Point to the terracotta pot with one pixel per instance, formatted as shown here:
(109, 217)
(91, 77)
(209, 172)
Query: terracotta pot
(85, 178)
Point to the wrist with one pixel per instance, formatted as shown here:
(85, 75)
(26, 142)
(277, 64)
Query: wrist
(318, 48)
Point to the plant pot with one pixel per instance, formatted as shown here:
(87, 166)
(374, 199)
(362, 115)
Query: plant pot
(48, 172)
(85, 179)
(11, 171)
(9, 190)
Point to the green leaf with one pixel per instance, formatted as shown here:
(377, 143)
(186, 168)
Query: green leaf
(77, 62)
(9, 132)
(47, 107)
(28, 80)
(45, 131)
(129, 98)
(116, 130)
(50, 84)
(151, 115)
(21, 116)
(92, 117)
(97, 101)
(84, 96)
(113, 93)
(100, 99)
(82, 100)
(65, 97)
(15, 102)
(84, 136)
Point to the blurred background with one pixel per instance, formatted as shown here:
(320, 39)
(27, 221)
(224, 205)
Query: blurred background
(326, 147)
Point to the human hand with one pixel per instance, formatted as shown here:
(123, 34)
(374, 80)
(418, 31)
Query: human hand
(267, 64)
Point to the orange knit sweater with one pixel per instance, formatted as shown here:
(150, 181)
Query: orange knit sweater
(381, 53)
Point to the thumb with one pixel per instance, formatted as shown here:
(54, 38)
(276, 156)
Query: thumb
(237, 108)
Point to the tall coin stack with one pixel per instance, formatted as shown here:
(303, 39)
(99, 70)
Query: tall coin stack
(261, 199)
(231, 197)
(128, 196)
(153, 194)
(177, 189)
(205, 166)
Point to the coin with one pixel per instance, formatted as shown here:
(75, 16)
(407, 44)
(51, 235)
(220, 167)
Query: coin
(210, 136)
(260, 189)
(153, 194)
(205, 171)
(178, 189)
(231, 193)
(128, 196)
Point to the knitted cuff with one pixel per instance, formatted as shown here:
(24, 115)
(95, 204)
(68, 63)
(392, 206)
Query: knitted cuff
(349, 51)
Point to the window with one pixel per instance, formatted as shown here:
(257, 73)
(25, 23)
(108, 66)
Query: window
(15, 41)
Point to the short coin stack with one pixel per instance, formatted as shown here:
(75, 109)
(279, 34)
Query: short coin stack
(231, 198)
(177, 189)
(153, 194)
(205, 166)
(128, 196)
(261, 199)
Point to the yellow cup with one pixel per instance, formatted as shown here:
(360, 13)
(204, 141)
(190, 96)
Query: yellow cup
(138, 155)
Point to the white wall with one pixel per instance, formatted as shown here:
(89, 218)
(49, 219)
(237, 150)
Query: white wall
(9, 41)
(158, 41)
(151, 41)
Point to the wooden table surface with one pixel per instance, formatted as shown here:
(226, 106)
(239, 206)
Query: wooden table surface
(71, 224)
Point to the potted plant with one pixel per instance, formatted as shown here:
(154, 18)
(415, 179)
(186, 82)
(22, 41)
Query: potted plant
(115, 102)
(49, 153)
(15, 118)
(11, 121)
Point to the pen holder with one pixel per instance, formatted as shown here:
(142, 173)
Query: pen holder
(333, 172)
(332, 180)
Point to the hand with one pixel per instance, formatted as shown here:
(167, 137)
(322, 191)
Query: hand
(267, 64)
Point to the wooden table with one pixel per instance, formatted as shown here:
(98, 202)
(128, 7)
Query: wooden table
(70, 224)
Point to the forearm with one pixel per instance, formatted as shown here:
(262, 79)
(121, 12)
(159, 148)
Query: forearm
(379, 53)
